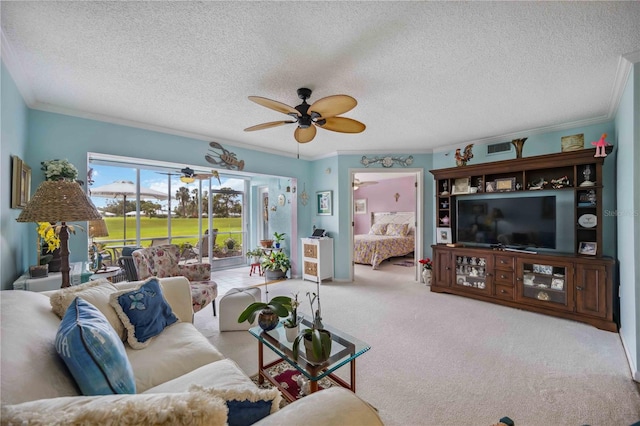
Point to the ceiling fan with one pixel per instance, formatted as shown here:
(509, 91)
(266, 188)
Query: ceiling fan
(188, 175)
(322, 113)
(357, 184)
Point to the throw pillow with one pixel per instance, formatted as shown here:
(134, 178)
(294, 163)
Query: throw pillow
(397, 229)
(179, 409)
(93, 351)
(378, 229)
(246, 405)
(144, 312)
(96, 293)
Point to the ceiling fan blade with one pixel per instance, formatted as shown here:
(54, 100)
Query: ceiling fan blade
(275, 105)
(333, 105)
(267, 125)
(304, 135)
(342, 125)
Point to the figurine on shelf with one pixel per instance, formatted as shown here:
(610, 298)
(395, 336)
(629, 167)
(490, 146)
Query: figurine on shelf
(586, 173)
(462, 158)
(560, 182)
(445, 188)
(538, 184)
(601, 146)
(445, 220)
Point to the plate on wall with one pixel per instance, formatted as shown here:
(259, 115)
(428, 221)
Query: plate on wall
(588, 220)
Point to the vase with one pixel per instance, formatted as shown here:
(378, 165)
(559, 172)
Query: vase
(519, 144)
(292, 332)
(56, 262)
(267, 319)
(308, 347)
(426, 276)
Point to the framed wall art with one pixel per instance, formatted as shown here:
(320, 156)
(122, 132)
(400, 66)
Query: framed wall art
(588, 248)
(360, 206)
(572, 143)
(443, 235)
(325, 207)
(20, 183)
(461, 186)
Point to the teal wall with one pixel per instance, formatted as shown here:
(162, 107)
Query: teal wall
(14, 242)
(627, 214)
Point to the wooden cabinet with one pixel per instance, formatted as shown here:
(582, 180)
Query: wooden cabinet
(317, 259)
(567, 286)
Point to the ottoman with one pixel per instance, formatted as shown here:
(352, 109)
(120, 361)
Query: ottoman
(233, 303)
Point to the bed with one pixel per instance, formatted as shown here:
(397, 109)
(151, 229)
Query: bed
(392, 234)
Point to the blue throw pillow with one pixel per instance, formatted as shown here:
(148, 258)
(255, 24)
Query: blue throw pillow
(246, 405)
(93, 351)
(144, 312)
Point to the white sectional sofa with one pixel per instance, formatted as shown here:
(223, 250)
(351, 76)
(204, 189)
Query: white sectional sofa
(36, 384)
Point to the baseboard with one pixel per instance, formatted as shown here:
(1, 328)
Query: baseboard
(635, 374)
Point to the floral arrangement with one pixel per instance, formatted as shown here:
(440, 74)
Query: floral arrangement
(293, 320)
(426, 263)
(59, 169)
(276, 260)
(48, 235)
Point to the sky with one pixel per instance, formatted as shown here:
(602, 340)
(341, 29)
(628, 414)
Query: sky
(156, 180)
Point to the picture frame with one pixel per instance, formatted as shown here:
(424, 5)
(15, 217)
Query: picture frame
(572, 143)
(443, 235)
(505, 184)
(360, 206)
(324, 203)
(588, 248)
(491, 187)
(20, 183)
(461, 186)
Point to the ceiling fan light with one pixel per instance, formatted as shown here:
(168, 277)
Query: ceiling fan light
(187, 179)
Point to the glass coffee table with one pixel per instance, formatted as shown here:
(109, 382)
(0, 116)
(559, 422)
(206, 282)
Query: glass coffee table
(344, 349)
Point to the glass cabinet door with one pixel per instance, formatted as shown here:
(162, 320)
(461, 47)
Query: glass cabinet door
(471, 272)
(543, 283)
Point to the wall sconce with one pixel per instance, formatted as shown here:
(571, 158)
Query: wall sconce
(397, 196)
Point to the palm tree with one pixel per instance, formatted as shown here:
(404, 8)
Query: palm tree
(183, 196)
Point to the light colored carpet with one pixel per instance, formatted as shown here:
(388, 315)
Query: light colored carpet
(439, 359)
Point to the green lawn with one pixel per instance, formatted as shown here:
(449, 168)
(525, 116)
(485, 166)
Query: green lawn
(157, 228)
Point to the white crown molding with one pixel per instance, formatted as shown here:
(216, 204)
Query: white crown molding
(154, 128)
(625, 64)
(15, 70)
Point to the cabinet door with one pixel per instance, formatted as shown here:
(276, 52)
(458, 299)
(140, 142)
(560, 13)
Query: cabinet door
(544, 283)
(441, 268)
(591, 290)
(472, 272)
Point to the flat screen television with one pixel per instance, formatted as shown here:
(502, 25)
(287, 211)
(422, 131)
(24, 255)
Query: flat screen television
(524, 221)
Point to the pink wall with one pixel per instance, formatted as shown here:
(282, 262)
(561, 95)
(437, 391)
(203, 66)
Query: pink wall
(380, 198)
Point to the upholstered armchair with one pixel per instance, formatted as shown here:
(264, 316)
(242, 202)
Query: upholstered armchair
(163, 261)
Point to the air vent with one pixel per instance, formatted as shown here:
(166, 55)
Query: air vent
(497, 148)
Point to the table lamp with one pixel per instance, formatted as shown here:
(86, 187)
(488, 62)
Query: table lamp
(60, 201)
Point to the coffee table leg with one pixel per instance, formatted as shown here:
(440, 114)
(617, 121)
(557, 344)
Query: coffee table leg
(313, 386)
(260, 362)
(353, 375)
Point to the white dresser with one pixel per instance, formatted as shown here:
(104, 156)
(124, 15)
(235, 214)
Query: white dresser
(317, 259)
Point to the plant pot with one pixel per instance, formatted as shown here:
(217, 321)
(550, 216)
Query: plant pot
(255, 259)
(266, 243)
(426, 276)
(277, 245)
(267, 319)
(39, 271)
(275, 275)
(56, 262)
(292, 332)
(308, 347)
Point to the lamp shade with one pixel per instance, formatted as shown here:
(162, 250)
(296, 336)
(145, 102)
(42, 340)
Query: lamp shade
(59, 201)
(98, 228)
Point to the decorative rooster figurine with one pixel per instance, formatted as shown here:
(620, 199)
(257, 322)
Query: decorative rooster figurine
(600, 146)
(461, 159)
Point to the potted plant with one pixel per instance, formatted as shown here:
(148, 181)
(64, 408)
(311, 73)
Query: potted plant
(268, 313)
(230, 243)
(278, 238)
(276, 265)
(292, 323)
(256, 253)
(266, 243)
(426, 270)
(317, 340)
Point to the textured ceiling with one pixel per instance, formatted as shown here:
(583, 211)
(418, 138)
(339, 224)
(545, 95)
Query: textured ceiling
(427, 75)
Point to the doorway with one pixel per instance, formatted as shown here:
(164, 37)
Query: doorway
(391, 195)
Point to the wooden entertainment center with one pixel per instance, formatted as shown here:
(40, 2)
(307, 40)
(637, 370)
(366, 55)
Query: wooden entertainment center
(577, 286)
